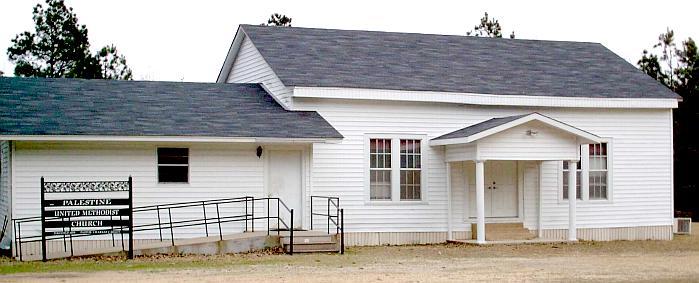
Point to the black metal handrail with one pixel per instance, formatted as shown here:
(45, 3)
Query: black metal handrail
(337, 219)
(249, 217)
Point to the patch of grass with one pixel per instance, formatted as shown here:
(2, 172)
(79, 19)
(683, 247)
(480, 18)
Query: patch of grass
(93, 264)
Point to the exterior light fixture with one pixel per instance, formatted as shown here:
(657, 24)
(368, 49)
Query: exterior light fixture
(532, 133)
(259, 152)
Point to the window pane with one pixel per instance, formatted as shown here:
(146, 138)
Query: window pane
(173, 155)
(380, 155)
(410, 185)
(598, 185)
(410, 154)
(173, 174)
(380, 187)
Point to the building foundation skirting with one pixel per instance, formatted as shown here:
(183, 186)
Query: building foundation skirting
(400, 238)
(588, 234)
(613, 234)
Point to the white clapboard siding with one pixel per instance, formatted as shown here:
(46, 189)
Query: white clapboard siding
(250, 67)
(641, 152)
(216, 171)
(459, 196)
(460, 152)
(530, 181)
(5, 192)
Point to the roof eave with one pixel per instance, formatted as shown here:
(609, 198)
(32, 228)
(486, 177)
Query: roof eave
(189, 139)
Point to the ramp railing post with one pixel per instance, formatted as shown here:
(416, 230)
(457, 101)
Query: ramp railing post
(218, 216)
(19, 235)
(311, 213)
(291, 234)
(246, 214)
(160, 227)
(172, 233)
(342, 231)
(267, 216)
(206, 224)
(252, 219)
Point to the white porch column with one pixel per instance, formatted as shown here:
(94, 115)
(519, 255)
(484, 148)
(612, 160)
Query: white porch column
(450, 232)
(540, 203)
(480, 201)
(572, 198)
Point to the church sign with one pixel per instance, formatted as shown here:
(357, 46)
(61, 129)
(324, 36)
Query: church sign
(71, 209)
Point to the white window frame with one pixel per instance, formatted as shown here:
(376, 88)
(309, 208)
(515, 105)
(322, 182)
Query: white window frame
(395, 168)
(157, 166)
(585, 175)
(384, 169)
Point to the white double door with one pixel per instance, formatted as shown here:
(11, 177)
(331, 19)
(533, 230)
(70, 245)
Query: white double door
(500, 190)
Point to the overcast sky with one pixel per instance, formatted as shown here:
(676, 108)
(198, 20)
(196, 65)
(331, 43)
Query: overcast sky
(188, 40)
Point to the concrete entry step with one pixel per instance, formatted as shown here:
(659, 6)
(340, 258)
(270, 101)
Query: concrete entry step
(313, 248)
(311, 241)
(503, 231)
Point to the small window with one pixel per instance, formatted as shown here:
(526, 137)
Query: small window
(597, 181)
(578, 194)
(380, 169)
(410, 170)
(173, 165)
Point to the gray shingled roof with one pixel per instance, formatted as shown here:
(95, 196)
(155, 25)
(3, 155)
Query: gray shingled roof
(34, 106)
(424, 62)
(479, 127)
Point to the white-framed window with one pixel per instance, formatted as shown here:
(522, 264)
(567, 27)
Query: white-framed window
(395, 168)
(593, 179)
(173, 165)
(598, 180)
(578, 187)
(380, 169)
(410, 169)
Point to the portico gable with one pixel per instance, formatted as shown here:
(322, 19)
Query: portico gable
(532, 137)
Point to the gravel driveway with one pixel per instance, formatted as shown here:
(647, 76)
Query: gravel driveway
(676, 260)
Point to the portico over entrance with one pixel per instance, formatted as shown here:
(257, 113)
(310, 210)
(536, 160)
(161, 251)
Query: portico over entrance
(495, 145)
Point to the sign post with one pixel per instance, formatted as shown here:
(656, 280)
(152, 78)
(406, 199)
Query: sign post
(130, 218)
(64, 213)
(43, 220)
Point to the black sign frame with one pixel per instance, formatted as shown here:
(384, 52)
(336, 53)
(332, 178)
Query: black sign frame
(69, 213)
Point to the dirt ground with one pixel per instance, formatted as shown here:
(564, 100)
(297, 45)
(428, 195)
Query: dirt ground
(650, 261)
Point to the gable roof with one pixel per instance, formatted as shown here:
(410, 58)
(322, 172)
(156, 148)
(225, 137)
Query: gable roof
(40, 106)
(495, 125)
(313, 57)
